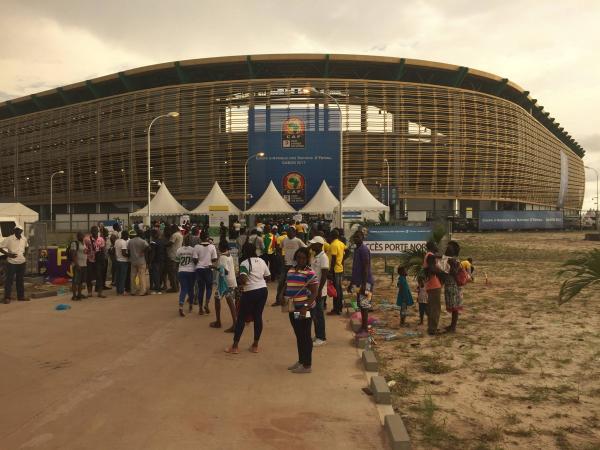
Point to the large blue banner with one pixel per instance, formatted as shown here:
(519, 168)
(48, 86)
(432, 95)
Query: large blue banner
(301, 147)
(393, 240)
(520, 220)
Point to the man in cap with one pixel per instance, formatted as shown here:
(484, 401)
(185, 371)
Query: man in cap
(15, 248)
(320, 265)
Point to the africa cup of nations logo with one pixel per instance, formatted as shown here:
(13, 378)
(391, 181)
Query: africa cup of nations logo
(293, 133)
(294, 187)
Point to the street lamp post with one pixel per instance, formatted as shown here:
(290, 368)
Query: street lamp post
(597, 217)
(260, 155)
(387, 163)
(51, 180)
(174, 114)
(341, 193)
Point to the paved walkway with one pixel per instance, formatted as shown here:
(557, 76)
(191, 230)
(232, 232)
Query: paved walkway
(128, 373)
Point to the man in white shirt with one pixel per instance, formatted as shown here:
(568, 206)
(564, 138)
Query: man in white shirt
(320, 265)
(206, 254)
(175, 242)
(15, 248)
(289, 245)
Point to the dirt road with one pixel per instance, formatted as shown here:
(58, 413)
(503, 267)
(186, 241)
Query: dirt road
(128, 373)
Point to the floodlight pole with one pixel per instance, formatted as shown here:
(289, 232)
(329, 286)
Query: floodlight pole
(387, 163)
(173, 114)
(597, 217)
(259, 154)
(341, 193)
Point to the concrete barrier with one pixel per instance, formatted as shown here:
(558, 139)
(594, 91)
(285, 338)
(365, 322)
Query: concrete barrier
(381, 391)
(396, 432)
(369, 361)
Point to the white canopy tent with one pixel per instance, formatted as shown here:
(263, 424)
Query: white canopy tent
(360, 199)
(163, 204)
(271, 202)
(323, 202)
(20, 212)
(216, 200)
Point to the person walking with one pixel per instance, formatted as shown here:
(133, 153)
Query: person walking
(79, 260)
(337, 254)
(254, 274)
(289, 245)
(226, 285)
(301, 290)
(186, 258)
(115, 235)
(156, 261)
(95, 245)
(362, 278)
(320, 265)
(137, 249)
(206, 256)
(174, 243)
(122, 258)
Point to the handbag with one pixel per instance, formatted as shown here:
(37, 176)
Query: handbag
(331, 290)
(287, 304)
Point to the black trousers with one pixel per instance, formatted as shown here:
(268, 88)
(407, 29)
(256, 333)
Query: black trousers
(12, 271)
(302, 329)
(252, 302)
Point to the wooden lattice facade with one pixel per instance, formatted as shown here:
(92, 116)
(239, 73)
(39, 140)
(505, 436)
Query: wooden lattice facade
(448, 132)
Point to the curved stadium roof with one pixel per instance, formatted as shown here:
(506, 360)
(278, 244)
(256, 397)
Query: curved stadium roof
(288, 66)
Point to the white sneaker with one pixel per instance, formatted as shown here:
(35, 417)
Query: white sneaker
(319, 342)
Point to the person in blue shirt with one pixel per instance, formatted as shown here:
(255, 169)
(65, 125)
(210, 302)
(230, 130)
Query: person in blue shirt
(404, 298)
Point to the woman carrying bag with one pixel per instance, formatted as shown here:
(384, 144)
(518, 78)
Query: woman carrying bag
(300, 295)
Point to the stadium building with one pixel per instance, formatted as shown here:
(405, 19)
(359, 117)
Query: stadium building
(456, 139)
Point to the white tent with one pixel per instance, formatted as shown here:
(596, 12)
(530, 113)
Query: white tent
(323, 202)
(19, 211)
(360, 199)
(163, 204)
(271, 202)
(216, 200)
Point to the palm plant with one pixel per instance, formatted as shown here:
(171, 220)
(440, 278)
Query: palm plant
(582, 272)
(412, 260)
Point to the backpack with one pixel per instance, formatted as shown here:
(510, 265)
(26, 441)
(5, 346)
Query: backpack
(462, 277)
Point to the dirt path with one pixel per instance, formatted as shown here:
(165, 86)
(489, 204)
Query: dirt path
(129, 374)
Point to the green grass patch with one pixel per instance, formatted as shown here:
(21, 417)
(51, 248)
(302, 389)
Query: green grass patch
(405, 385)
(432, 364)
(508, 368)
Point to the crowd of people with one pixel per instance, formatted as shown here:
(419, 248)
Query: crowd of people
(305, 263)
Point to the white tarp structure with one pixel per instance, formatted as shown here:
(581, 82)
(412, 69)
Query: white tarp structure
(216, 200)
(323, 202)
(361, 200)
(271, 202)
(163, 204)
(20, 212)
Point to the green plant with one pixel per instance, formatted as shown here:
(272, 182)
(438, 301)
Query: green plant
(413, 259)
(432, 364)
(582, 272)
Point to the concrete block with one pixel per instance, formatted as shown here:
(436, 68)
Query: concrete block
(355, 325)
(396, 432)
(381, 391)
(361, 342)
(369, 361)
(43, 294)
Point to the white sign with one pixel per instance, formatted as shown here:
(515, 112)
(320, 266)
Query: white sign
(216, 217)
(183, 219)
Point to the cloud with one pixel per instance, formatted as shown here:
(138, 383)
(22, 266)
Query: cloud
(548, 48)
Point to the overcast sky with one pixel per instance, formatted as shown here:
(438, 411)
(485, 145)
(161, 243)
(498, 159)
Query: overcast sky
(550, 48)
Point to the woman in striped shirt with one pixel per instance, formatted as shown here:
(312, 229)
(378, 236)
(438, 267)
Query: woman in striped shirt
(301, 290)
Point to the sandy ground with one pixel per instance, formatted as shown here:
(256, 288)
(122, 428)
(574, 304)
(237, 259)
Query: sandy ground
(128, 373)
(521, 372)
